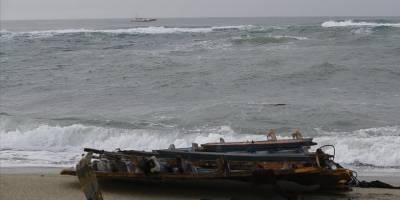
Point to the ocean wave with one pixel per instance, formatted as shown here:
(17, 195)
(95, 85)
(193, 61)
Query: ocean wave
(45, 145)
(68, 142)
(352, 23)
(374, 146)
(314, 73)
(290, 37)
(267, 39)
(363, 30)
(136, 30)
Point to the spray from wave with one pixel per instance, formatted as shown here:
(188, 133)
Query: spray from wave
(378, 147)
(352, 23)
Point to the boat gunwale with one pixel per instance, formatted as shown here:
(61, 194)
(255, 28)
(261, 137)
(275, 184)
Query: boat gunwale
(261, 142)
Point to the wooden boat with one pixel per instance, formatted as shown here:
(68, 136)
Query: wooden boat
(272, 162)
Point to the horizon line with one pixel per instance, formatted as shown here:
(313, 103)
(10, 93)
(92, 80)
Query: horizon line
(92, 18)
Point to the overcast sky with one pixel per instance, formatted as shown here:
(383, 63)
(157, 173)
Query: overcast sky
(67, 9)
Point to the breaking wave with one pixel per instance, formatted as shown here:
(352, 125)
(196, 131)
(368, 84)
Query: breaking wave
(267, 39)
(136, 30)
(373, 147)
(352, 23)
(45, 145)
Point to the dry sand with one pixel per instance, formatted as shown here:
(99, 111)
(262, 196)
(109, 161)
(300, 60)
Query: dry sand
(48, 186)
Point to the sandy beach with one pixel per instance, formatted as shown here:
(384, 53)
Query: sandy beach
(46, 184)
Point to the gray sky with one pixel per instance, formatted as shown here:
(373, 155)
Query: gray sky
(67, 9)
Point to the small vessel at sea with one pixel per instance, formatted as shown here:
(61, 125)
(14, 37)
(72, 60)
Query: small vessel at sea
(277, 162)
(142, 19)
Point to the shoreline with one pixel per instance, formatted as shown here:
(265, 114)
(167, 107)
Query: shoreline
(46, 183)
(30, 170)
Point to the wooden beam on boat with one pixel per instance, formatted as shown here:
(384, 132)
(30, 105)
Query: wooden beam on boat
(235, 156)
(125, 153)
(289, 144)
(138, 153)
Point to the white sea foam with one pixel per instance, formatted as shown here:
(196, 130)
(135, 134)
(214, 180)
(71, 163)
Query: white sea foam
(45, 145)
(362, 30)
(375, 146)
(353, 23)
(55, 145)
(290, 37)
(136, 30)
(206, 44)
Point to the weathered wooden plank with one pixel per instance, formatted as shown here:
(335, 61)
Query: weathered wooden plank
(236, 156)
(87, 178)
(125, 153)
(258, 145)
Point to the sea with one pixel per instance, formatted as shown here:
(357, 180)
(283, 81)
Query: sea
(113, 83)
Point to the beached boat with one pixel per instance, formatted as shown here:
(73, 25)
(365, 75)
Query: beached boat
(275, 162)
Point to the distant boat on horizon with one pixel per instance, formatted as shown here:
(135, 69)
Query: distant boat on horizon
(142, 19)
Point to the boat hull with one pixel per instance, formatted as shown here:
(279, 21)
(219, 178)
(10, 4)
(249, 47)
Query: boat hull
(312, 178)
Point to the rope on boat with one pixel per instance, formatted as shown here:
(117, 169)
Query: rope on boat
(369, 184)
(354, 179)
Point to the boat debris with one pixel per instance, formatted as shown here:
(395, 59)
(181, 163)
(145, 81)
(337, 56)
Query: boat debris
(87, 178)
(278, 162)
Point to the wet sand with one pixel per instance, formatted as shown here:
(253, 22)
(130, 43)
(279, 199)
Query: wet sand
(46, 185)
